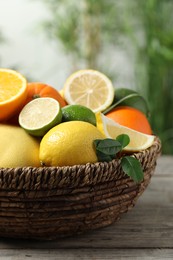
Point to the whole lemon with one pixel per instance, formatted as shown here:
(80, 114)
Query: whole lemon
(69, 143)
(17, 148)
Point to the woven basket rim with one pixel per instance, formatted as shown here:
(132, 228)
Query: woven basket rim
(48, 178)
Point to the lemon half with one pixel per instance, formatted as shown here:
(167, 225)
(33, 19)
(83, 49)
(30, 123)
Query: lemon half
(89, 88)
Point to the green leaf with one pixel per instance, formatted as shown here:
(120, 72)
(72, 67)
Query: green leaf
(132, 167)
(104, 157)
(108, 146)
(128, 97)
(106, 149)
(123, 139)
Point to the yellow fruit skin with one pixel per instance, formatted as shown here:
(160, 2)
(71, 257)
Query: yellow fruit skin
(69, 143)
(17, 148)
(61, 91)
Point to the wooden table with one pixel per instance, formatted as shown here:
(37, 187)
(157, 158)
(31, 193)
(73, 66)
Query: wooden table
(146, 232)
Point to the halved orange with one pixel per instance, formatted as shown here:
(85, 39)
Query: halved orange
(13, 92)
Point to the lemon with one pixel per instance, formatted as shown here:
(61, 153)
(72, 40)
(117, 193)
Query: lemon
(40, 115)
(61, 91)
(17, 148)
(138, 140)
(78, 113)
(69, 143)
(89, 88)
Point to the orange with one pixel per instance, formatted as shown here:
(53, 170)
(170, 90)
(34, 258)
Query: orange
(38, 90)
(13, 92)
(132, 118)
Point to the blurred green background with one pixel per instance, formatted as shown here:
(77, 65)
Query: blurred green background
(89, 31)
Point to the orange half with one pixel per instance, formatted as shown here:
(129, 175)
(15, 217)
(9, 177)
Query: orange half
(13, 92)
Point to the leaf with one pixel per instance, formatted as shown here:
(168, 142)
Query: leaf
(123, 139)
(104, 157)
(106, 149)
(128, 97)
(122, 93)
(108, 146)
(132, 167)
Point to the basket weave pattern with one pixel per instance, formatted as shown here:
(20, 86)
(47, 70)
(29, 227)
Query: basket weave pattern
(51, 202)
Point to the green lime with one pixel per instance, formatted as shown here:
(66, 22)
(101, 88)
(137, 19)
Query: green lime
(40, 115)
(78, 113)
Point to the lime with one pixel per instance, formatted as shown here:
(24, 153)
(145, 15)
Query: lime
(39, 115)
(78, 113)
(69, 143)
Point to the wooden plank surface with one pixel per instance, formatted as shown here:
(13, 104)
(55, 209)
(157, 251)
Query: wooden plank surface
(87, 254)
(146, 232)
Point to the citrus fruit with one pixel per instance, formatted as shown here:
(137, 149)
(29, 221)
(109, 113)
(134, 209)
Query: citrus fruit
(78, 113)
(138, 140)
(39, 115)
(89, 88)
(61, 91)
(17, 148)
(130, 117)
(38, 90)
(13, 92)
(69, 143)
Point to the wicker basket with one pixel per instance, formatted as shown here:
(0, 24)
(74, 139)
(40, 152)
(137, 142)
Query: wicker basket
(52, 202)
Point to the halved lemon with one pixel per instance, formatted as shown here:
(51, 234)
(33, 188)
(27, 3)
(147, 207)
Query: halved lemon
(13, 91)
(40, 115)
(89, 88)
(138, 140)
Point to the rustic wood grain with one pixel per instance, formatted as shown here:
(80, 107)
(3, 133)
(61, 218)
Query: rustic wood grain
(88, 254)
(146, 232)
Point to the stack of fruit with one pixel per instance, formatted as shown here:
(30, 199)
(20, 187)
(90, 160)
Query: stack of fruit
(87, 121)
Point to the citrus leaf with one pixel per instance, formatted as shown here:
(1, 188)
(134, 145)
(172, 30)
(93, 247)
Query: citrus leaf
(128, 97)
(123, 139)
(104, 157)
(106, 149)
(132, 167)
(108, 146)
